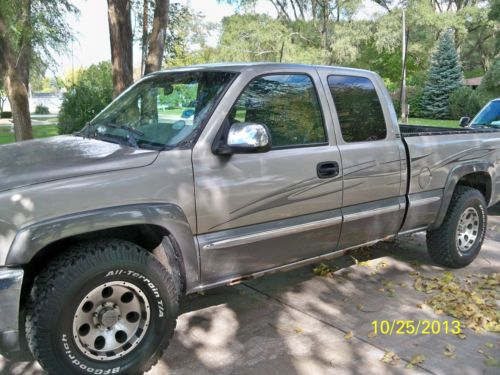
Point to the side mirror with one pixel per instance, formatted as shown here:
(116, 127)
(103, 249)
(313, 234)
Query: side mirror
(464, 122)
(244, 138)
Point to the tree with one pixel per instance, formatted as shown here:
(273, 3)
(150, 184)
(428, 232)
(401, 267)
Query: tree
(120, 34)
(92, 91)
(445, 75)
(490, 85)
(29, 31)
(157, 37)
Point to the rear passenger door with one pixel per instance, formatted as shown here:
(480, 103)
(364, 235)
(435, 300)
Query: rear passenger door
(260, 211)
(372, 157)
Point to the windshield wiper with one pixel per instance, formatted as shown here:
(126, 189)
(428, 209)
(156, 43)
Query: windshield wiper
(131, 133)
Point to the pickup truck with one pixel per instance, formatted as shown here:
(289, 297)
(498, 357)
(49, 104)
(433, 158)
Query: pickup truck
(210, 175)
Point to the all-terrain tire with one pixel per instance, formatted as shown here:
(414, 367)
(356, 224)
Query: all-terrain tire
(60, 289)
(442, 243)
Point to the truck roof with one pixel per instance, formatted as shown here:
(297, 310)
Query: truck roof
(264, 66)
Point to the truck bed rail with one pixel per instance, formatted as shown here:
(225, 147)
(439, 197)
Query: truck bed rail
(422, 130)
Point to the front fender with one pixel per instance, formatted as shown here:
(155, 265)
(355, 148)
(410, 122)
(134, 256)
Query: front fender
(31, 239)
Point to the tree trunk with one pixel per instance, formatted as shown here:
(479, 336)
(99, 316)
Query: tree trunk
(18, 97)
(157, 37)
(120, 34)
(144, 46)
(15, 69)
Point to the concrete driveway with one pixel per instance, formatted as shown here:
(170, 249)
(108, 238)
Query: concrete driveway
(300, 323)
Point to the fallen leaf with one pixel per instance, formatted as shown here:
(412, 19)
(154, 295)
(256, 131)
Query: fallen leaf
(298, 330)
(348, 335)
(489, 345)
(390, 358)
(450, 351)
(372, 334)
(493, 362)
(417, 359)
(462, 336)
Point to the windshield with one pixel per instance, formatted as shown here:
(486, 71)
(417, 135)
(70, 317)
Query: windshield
(488, 116)
(162, 111)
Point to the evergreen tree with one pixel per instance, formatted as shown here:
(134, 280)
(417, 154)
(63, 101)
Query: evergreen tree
(445, 75)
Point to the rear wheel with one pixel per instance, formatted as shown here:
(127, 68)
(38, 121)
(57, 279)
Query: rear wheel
(457, 242)
(105, 307)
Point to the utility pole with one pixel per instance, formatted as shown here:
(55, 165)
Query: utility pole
(404, 106)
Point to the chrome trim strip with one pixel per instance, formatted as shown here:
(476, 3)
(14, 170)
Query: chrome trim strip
(365, 214)
(237, 279)
(269, 234)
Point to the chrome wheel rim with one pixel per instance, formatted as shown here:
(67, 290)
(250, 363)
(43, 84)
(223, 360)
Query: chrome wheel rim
(467, 230)
(111, 320)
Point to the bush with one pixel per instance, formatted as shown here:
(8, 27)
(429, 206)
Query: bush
(466, 102)
(6, 114)
(82, 102)
(415, 101)
(41, 110)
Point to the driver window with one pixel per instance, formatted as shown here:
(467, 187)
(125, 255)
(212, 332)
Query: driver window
(287, 104)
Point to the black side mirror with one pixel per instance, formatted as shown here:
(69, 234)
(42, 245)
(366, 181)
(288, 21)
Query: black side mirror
(245, 138)
(464, 122)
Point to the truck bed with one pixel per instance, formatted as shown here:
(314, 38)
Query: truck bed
(421, 130)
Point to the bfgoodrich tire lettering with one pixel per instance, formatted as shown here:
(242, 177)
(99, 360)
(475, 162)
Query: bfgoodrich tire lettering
(442, 243)
(56, 299)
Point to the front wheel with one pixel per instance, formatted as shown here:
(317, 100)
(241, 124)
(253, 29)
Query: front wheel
(104, 307)
(457, 242)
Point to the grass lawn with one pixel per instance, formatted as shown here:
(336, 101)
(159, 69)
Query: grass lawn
(40, 131)
(430, 122)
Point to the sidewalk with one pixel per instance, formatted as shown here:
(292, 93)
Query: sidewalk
(299, 323)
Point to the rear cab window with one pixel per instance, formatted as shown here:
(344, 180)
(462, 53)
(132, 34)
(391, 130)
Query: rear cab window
(358, 108)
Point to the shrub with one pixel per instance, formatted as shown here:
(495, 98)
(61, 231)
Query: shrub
(41, 110)
(466, 102)
(91, 93)
(6, 114)
(491, 80)
(414, 96)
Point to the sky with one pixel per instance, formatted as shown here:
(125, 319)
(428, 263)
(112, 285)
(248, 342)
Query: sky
(92, 34)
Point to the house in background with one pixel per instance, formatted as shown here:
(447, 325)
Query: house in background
(52, 101)
(473, 82)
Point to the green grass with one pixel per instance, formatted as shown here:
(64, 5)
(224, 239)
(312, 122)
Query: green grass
(431, 122)
(38, 132)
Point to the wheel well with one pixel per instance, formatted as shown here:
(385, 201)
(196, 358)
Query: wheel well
(147, 236)
(480, 181)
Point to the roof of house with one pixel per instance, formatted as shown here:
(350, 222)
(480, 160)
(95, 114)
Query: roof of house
(476, 81)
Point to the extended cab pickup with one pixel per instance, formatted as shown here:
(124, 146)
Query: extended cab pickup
(209, 175)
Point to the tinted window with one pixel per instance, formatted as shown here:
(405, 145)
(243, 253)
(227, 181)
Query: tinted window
(358, 108)
(287, 104)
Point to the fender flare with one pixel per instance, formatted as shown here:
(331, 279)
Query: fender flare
(456, 175)
(33, 238)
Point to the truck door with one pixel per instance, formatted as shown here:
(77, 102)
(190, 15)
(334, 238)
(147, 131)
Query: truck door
(372, 156)
(260, 211)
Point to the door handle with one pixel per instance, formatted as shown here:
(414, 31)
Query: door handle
(328, 169)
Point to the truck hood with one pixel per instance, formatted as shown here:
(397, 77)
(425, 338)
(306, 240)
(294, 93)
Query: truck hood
(55, 158)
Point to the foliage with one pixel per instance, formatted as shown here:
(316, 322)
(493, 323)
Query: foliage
(186, 31)
(464, 102)
(490, 85)
(41, 110)
(445, 75)
(47, 31)
(6, 114)
(91, 93)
